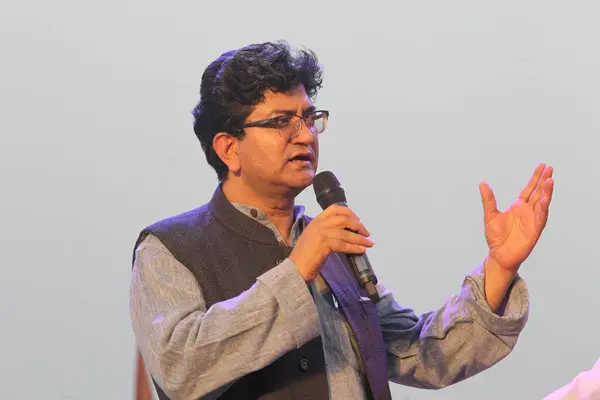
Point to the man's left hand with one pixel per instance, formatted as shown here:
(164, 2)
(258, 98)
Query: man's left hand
(512, 234)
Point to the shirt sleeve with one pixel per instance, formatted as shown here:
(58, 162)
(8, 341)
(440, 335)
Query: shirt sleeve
(455, 342)
(197, 352)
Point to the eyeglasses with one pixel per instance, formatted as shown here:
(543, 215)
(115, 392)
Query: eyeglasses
(289, 125)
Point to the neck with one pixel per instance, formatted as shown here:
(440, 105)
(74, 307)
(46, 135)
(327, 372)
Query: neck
(278, 207)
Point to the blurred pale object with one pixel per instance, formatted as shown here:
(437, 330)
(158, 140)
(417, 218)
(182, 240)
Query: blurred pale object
(585, 386)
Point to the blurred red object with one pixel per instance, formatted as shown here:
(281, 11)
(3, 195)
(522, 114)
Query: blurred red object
(142, 386)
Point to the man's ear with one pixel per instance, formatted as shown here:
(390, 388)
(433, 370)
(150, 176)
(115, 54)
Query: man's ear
(226, 147)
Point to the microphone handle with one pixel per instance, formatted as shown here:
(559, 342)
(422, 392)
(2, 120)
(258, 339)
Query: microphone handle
(364, 274)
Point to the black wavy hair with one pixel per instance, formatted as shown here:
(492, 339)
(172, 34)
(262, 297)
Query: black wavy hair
(236, 82)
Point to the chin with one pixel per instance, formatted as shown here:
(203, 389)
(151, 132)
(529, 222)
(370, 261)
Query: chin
(301, 181)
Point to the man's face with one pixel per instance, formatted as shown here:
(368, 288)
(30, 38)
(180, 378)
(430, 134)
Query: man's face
(268, 156)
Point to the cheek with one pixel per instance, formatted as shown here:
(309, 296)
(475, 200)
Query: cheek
(264, 155)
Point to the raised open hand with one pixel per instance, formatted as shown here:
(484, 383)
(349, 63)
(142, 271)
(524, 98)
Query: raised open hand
(512, 234)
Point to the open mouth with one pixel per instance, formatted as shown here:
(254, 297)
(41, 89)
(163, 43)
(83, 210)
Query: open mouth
(301, 158)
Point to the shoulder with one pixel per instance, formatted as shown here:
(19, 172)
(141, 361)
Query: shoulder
(180, 228)
(185, 220)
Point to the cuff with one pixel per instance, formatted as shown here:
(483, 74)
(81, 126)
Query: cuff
(288, 287)
(516, 310)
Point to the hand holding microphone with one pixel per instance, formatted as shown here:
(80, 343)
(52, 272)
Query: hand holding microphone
(337, 229)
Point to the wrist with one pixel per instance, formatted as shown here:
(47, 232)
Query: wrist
(497, 280)
(304, 273)
(497, 273)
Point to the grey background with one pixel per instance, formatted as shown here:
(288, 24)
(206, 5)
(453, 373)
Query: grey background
(426, 100)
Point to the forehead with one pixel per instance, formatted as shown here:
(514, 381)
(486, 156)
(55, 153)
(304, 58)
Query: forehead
(295, 100)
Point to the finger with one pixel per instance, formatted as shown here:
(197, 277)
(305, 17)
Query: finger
(535, 197)
(488, 200)
(357, 227)
(541, 213)
(548, 190)
(537, 174)
(548, 172)
(539, 190)
(341, 222)
(344, 222)
(337, 237)
(336, 209)
(541, 209)
(347, 248)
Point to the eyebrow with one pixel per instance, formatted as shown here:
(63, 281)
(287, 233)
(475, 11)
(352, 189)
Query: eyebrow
(306, 110)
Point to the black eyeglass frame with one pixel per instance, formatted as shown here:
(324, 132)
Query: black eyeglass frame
(272, 122)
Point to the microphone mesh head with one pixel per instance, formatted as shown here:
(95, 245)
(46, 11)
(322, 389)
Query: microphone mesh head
(328, 189)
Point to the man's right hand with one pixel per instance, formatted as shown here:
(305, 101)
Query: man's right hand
(332, 231)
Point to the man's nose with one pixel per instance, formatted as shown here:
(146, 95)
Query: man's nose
(305, 136)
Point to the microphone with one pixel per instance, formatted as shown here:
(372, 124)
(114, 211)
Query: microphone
(329, 191)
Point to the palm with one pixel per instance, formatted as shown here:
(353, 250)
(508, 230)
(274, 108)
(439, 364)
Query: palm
(512, 234)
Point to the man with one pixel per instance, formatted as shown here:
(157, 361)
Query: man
(246, 298)
(585, 386)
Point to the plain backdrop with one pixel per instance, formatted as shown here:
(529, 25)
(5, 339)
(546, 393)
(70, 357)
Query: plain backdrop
(426, 98)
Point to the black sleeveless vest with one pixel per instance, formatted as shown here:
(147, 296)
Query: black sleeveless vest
(204, 240)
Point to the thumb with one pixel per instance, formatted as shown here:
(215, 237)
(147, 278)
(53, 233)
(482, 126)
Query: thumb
(489, 201)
